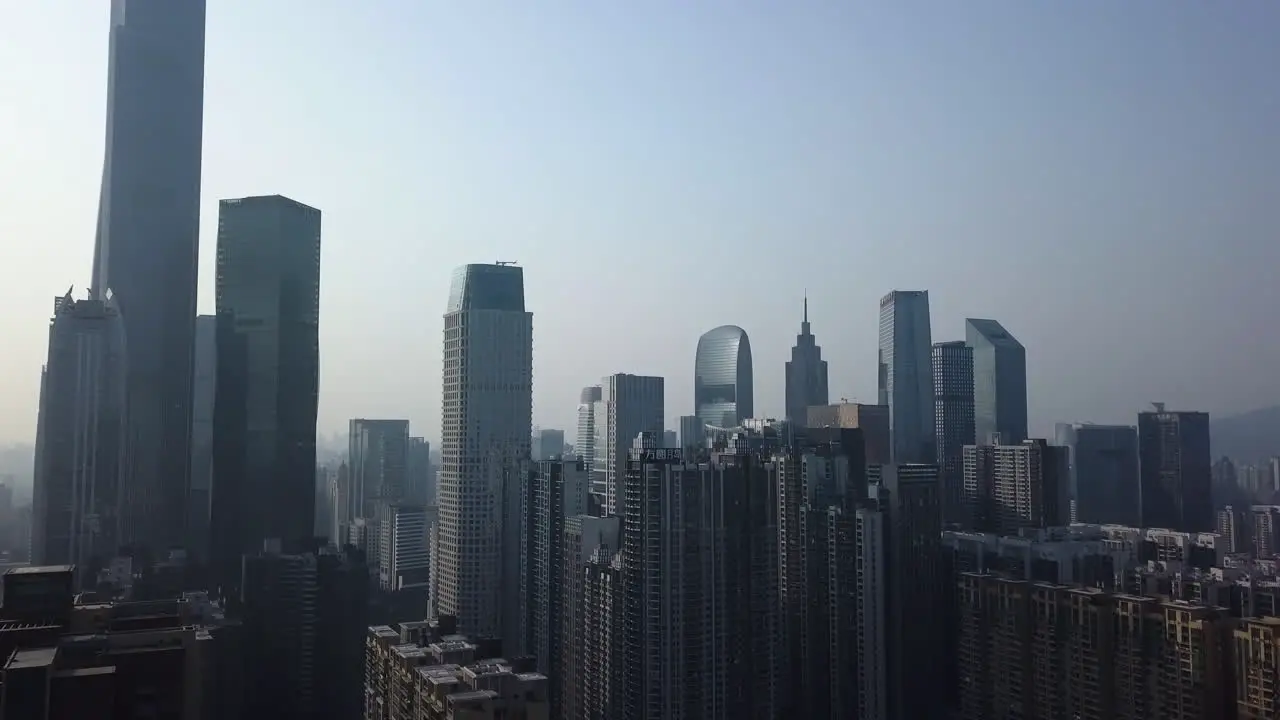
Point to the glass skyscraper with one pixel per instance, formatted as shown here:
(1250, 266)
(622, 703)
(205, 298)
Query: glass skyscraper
(267, 389)
(147, 244)
(906, 374)
(722, 384)
(999, 382)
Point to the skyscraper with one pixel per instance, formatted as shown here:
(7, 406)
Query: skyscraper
(906, 374)
(419, 486)
(806, 374)
(723, 388)
(585, 444)
(1102, 472)
(264, 427)
(378, 458)
(999, 382)
(147, 244)
(487, 424)
(80, 451)
(634, 404)
(692, 433)
(1175, 470)
(953, 418)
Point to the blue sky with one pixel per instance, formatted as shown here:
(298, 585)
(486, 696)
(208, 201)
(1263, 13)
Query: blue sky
(1102, 177)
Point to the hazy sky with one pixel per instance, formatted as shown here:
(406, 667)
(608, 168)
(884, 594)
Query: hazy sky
(1101, 176)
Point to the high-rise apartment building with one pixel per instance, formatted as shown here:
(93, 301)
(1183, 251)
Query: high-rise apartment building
(147, 245)
(723, 385)
(953, 419)
(906, 374)
(633, 404)
(585, 444)
(555, 491)
(268, 374)
(999, 382)
(205, 380)
(80, 446)
(1102, 477)
(806, 374)
(1010, 487)
(701, 631)
(1257, 673)
(590, 663)
(872, 420)
(378, 462)
(1175, 470)
(487, 424)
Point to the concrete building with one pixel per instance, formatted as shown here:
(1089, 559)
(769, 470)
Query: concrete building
(999, 382)
(723, 384)
(1175, 470)
(872, 420)
(268, 378)
(1102, 471)
(1010, 487)
(906, 374)
(806, 376)
(1257, 673)
(487, 425)
(953, 420)
(590, 663)
(146, 249)
(80, 443)
(633, 404)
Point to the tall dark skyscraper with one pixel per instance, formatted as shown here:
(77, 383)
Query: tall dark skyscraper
(806, 374)
(148, 242)
(906, 374)
(1102, 472)
(723, 389)
(202, 396)
(264, 431)
(1175, 470)
(999, 382)
(953, 418)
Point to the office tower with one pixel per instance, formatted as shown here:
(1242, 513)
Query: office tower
(548, 444)
(1010, 487)
(999, 381)
(633, 404)
(1102, 472)
(820, 477)
(488, 419)
(723, 388)
(419, 485)
(147, 245)
(906, 374)
(700, 584)
(403, 559)
(378, 464)
(1174, 470)
(914, 581)
(555, 492)
(953, 419)
(586, 439)
(205, 378)
(304, 621)
(268, 370)
(80, 451)
(693, 434)
(590, 664)
(806, 374)
(1035, 649)
(872, 420)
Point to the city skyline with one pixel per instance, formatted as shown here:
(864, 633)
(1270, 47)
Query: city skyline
(1115, 221)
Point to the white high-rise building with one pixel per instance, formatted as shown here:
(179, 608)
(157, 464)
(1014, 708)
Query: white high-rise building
(633, 404)
(486, 427)
(586, 441)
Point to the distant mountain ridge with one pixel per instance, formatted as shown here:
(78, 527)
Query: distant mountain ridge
(1249, 437)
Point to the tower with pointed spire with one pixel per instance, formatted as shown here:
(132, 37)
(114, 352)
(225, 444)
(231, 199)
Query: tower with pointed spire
(806, 373)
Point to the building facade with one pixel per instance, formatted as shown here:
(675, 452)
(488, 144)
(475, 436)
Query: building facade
(633, 404)
(723, 385)
(906, 374)
(268, 374)
(199, 497)
(1175, 470)
(1102, 472)
(953, 419)
(147, 245)
(999, 382)
(378, 462)
(486, 429)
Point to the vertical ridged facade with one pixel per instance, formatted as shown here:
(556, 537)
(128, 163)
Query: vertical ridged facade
(906, 374)
(999, 382)
(723, 386)
(953, 419)
(147, 245)
(806, 374)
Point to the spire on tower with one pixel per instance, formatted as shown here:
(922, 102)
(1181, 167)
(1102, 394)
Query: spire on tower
(806, 306)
